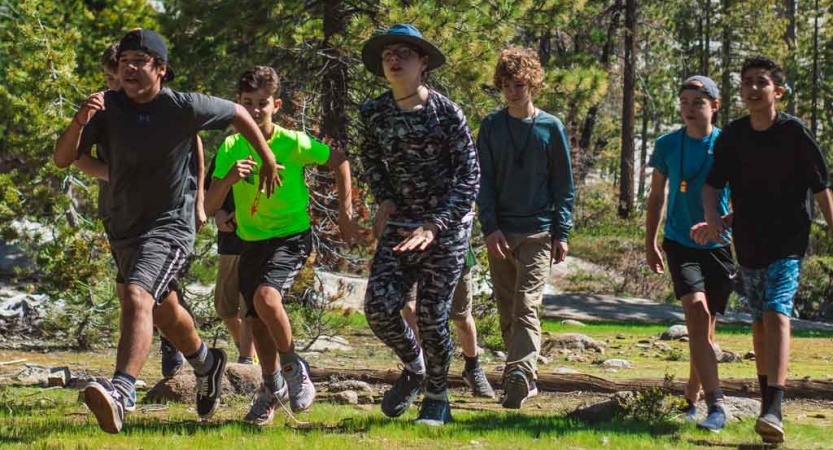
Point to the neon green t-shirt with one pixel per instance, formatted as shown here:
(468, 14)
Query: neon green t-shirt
(285, 212)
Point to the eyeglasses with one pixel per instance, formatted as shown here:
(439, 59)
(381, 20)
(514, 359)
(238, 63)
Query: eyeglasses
(403, 53)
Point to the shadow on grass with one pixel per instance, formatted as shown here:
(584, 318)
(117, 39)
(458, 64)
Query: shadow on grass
(521, 425)
(758, 446)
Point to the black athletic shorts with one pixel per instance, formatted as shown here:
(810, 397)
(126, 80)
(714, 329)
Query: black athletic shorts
(150, 263)
(701, 270)
(273, 262)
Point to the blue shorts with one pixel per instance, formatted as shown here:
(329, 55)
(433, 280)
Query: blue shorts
(772, 288)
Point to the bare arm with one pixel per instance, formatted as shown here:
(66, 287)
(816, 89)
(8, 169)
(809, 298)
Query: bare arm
(656, 208)
(825, 202)
(220, 186)
(93, 167)
(200, 205)
(344, 184)
(245, 125)
(66, 148)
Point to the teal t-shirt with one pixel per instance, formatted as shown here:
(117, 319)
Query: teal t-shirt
(685, 209)
(285, 212)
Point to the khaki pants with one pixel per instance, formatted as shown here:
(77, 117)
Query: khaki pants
(518, 283)
(227, 299)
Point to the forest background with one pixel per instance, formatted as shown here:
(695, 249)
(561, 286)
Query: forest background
(612, 72)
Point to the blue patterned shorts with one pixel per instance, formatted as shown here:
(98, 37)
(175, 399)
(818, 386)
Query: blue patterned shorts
(772, 288)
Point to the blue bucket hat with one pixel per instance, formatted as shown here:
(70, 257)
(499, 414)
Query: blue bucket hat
(401, 33)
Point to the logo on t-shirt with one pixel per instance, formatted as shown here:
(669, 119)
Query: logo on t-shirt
(144, 120)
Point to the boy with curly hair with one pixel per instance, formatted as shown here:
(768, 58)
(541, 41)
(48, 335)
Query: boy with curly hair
(525, 202)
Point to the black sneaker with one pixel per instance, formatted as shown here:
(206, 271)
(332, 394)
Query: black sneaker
(434, 412)
(479, 384)
(210, 385)
(106, 403)
(399, 398)
(770, 428)
(172, 359)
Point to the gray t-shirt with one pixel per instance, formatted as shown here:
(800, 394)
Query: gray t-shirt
(152, 166)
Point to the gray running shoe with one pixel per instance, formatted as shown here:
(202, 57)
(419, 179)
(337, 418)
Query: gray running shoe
(263, 406)
(770, 428)
(301, 389)
(479, 384)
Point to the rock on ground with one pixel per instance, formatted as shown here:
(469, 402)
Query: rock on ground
(674, 333)
(572, 341)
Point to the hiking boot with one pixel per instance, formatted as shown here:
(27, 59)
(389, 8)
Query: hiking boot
(479, 384)
(209, 385)
(172, 359)
(517, 389)
(399, 398)
(434, 412)
(770, 428)
(106, 403)
(301, 389)
(715, 421)
(263, 406)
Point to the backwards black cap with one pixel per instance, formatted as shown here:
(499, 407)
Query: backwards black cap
(147, 41)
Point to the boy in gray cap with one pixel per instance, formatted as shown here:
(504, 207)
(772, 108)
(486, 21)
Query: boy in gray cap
(702, 273)
(149, 132)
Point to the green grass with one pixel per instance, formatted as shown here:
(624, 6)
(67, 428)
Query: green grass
(31, 418)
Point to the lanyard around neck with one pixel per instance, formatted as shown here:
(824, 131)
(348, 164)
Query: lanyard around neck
(683, 180)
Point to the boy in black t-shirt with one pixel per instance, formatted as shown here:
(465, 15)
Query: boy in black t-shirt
(769, 160)
(149, 133)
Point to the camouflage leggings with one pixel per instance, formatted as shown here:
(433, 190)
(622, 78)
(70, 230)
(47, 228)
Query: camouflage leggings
(435, 272)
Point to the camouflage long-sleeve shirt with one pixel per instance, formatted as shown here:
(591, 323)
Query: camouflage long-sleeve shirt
(424, 161)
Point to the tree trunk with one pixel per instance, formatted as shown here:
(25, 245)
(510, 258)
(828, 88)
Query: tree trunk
(334, 76)
(790, 36)
(627, 154)
(708, 33)
(726, 78)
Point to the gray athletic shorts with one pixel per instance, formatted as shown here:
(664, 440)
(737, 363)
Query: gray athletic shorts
(150, 263)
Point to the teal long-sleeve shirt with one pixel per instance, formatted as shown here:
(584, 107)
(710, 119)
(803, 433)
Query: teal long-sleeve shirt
(526, 183)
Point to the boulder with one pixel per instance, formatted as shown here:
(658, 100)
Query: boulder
(617, 364)
(347, 398)
(330, 343)
(349, 385)
(674, 333)
(571, 341)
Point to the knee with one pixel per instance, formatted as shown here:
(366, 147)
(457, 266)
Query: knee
(699, 319)
(267, 298)
(137, 299)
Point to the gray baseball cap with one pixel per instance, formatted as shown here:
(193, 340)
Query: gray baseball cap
(702, 84)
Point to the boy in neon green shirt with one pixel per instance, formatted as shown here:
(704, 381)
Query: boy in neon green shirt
(276, 236)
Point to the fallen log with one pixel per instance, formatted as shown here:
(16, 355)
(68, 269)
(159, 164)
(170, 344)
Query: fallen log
(744, 387)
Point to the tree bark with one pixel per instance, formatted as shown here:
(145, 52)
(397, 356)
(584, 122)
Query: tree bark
(726, 78)
(334, 76)
(627, 155)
